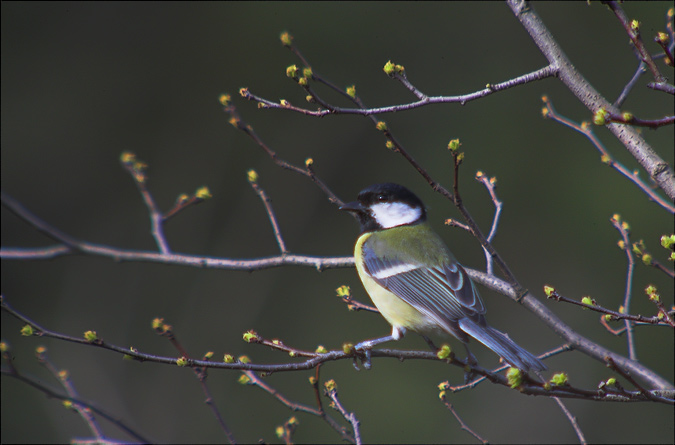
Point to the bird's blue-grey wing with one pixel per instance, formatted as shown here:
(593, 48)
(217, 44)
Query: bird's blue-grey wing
(446, 292)
(447, 295)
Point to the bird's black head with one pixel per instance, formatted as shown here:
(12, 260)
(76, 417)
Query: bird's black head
(383, 206)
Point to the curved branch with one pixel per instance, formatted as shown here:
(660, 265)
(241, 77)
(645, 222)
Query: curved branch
(314, 359)
(657, 168)
(72, 245)
(462, 99)
(320, 263)
(570, 336)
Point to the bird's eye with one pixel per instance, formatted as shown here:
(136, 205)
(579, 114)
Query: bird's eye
(382, 198)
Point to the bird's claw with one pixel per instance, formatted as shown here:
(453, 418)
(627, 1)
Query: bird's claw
(365, 361)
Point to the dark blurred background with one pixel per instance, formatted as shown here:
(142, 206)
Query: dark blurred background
(83, 82)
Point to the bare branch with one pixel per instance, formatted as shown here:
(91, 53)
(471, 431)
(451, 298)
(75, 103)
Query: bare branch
(622, 227)
(253, 379)
(462, 424)
(74, 246)
(540, 74)
(633, 30)
(270, 213)
(657, 168)
(13, 372)
(586, 129)
(136, 169)
(526, 385)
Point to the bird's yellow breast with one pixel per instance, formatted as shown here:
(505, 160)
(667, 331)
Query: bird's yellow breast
(396, 311)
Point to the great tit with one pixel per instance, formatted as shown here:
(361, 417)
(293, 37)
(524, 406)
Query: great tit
(415, 281)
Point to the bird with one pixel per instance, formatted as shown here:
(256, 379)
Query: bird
(415, 281)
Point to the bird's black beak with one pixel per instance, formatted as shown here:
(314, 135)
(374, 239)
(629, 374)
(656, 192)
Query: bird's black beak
(360, 212)
(353, 207)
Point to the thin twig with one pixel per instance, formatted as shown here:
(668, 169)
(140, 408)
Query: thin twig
(633, 30)
(166, 330)
(611, 330)
(586, 129)
(539, 74)
(270, 213)
(463, 425)
(63, 377)
(622, 227)
(629, 119)
(641, 69)
(12, 372)
(295, 406)
(655, 320)
(572, 419)
(654, 397)
(331, 393)
(136, 169)
(185, 201)
(490, 185)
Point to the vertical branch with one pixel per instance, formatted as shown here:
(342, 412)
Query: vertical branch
(572, 419)
(331, 392)
(633, 30)
(166, 330)
(136, 169)
(490, 186)
(253, 180)
(622, 227)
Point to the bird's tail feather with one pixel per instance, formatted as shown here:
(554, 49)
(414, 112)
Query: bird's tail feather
(502, 345)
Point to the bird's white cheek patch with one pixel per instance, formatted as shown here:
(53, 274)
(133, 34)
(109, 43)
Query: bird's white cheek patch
(393, 214)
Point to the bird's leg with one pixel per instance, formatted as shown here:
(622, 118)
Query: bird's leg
(366, 346)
